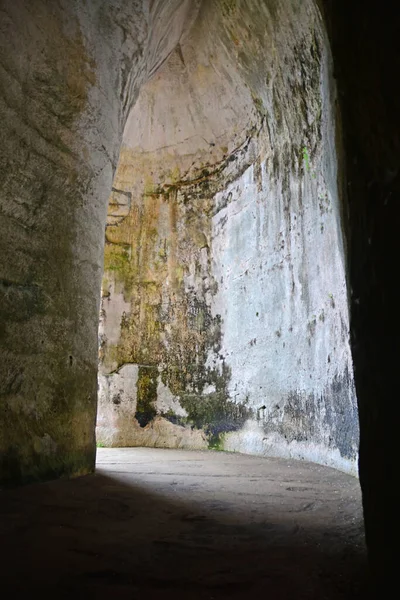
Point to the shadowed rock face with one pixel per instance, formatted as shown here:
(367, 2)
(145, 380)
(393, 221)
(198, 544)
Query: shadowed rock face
(70, 73)
(224, 318)
(366, 47)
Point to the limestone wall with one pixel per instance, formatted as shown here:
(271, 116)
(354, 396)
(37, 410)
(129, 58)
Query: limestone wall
(70, 71)
(224, 253)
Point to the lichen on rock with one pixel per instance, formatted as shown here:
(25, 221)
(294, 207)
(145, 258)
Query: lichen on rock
(219, 258)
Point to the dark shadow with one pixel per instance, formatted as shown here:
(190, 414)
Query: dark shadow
(98, 537)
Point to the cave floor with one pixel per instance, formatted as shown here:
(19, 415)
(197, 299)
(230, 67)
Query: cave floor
(160, 524)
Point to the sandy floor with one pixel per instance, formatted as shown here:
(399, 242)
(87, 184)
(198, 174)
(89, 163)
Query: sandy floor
(160, 524)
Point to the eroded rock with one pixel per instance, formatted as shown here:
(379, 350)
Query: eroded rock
(232, 257)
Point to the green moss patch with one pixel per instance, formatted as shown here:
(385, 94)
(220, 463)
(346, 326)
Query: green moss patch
(146, 395)
(215, 415)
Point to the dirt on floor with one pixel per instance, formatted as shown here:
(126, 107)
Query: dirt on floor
(170, 524)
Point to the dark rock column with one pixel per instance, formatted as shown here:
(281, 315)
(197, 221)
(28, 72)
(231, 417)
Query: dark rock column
(60, 128)
(366, 48)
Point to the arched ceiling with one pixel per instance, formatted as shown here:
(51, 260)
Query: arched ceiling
(230, 74)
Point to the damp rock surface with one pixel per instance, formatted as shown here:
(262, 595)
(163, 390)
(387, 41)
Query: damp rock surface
(225, 276)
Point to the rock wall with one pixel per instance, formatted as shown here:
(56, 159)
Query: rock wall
(224, 317)
(69, 73)
(366, 48)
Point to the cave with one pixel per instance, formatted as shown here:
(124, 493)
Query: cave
(198, 203)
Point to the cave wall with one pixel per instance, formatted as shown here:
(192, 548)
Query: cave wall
(366, 48)
(69, 74)
(224, 318)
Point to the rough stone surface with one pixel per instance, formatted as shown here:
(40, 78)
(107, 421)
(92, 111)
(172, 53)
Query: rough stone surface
(366, 45)
(224, 263)
(70, 72)
(164, 524)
